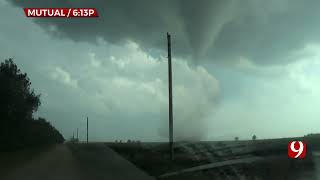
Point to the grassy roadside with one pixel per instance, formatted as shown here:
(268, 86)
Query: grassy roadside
(155, 160)
(91, 160)
(12, 160)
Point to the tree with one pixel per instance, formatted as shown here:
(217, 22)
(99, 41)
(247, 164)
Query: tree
(40, 131)
(254, 137)
(236, 138)
(17, 105)
(18, 99)
(18, 102)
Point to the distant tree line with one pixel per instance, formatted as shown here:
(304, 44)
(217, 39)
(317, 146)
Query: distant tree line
(18, 102)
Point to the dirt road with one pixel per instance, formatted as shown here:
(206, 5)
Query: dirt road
(59, 163)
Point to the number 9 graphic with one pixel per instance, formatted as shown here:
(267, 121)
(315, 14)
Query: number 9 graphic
(294, 152)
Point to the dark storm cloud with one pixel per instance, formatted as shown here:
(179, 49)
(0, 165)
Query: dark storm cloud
(268, 31)
(263, 31)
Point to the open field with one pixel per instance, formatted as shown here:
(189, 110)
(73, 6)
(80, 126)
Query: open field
(273, 162)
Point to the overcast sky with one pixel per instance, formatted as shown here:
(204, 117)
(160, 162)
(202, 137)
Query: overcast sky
(239, 67)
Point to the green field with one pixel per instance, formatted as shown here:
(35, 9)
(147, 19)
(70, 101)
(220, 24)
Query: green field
(154, 158)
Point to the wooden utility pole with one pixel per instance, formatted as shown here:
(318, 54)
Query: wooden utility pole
(87, 130)
(170, 97)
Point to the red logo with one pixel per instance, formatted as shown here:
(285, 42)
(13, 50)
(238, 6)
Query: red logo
(297, 149)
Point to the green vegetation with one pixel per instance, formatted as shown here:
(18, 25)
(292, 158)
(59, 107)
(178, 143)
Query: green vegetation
(154, 159)
(18, 128)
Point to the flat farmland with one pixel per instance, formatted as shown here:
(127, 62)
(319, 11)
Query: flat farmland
(258, 159)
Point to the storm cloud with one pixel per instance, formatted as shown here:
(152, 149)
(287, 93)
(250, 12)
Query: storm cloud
(263, 31)
(239, 67)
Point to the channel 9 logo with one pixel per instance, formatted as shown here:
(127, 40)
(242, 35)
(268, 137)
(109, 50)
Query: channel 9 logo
(297, 149)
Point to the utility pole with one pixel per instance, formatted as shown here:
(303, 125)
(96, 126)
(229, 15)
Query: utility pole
(170, 97)
(87, 130)
(78, 134)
